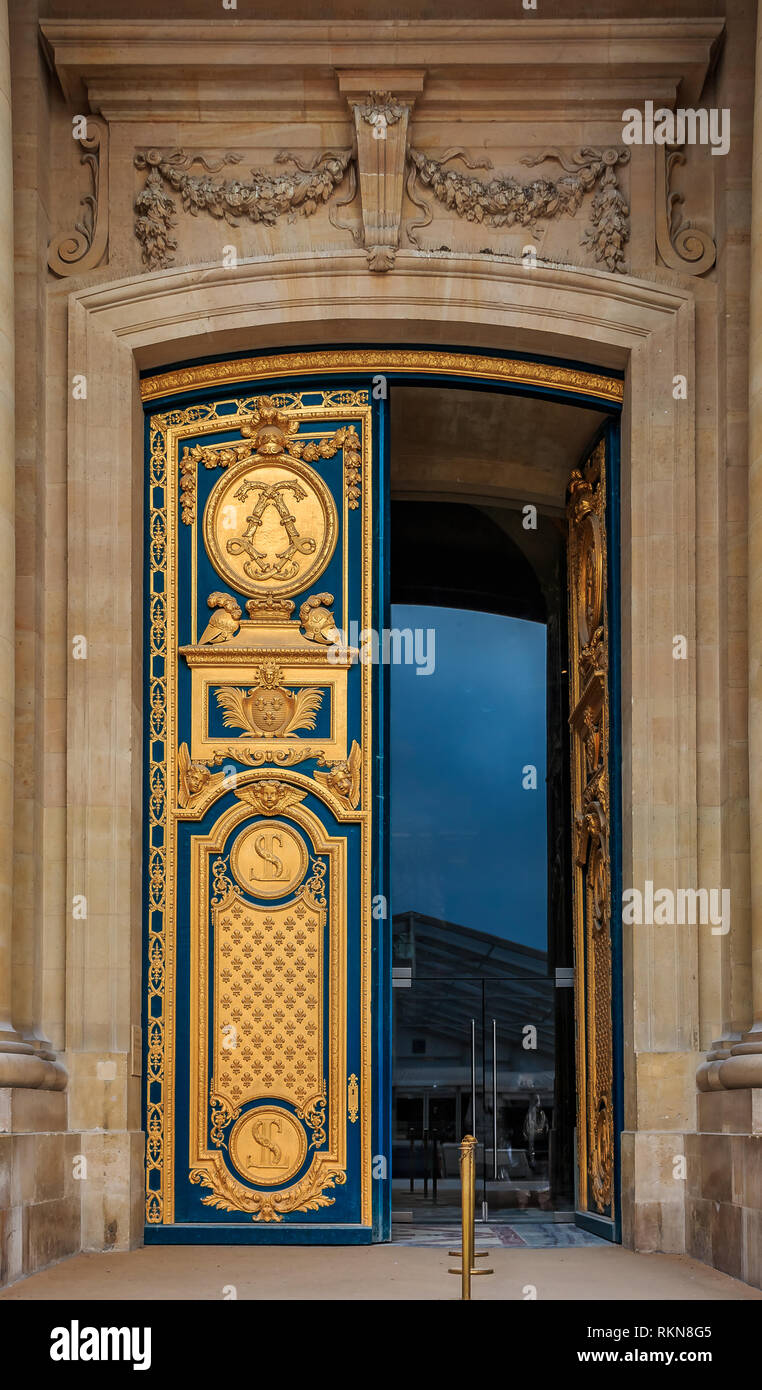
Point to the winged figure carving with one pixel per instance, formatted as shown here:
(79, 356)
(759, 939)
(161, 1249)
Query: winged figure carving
(344, 778)
(269, 797)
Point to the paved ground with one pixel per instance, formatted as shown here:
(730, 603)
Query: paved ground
(535, 1235)
(378, 1272)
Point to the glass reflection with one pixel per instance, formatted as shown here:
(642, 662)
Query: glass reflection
(474, 1009)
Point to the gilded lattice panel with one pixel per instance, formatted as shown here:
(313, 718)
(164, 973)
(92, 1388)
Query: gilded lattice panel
(269, 988)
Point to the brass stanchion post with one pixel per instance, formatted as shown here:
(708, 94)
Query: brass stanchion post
(467, 1198)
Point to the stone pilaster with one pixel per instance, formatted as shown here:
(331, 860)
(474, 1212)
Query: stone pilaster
(744, 1065)
(9, 1039)
(22, 1063)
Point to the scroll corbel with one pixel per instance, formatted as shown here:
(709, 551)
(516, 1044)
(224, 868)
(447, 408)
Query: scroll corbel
(85, 247)
(681, 245)
(381, 118)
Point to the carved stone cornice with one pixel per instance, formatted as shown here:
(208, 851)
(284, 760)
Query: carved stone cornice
(204, 70)
(201, 71)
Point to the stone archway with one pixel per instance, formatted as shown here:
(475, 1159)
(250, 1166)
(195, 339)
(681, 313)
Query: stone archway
(449, 301)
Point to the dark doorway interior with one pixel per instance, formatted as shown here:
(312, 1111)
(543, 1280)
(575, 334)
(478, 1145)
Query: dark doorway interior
(483, 1008)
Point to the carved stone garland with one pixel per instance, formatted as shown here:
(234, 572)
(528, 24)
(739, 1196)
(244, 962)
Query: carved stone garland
(503, 201)
(263, 198)
(379, 158)
(377, 164)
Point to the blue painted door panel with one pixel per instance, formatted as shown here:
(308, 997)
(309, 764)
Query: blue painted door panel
(265, 850)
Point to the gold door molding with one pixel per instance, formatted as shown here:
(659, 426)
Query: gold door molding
(591, 818)
(516, 371)
(269, 990)
(267, 961)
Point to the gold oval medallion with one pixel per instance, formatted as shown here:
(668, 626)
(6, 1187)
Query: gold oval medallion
(268, 1146)
(269, 859)
(270, 527)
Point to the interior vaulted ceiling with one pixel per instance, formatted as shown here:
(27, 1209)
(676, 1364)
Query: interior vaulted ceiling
(486, 445)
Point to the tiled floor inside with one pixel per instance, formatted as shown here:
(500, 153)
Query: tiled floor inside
(531, 1235)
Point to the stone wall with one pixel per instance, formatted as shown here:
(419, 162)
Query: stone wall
(358, 269)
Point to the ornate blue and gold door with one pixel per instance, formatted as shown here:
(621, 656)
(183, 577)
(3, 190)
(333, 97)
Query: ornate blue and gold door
(592, 512)
(265, 914)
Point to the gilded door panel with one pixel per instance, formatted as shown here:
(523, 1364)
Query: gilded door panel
(591, 828)
(260, 812)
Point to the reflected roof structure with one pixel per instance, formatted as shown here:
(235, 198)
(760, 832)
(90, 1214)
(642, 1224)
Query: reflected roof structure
(432, 946)
(450, 965)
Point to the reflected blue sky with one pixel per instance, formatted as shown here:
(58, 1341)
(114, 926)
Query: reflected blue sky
(468, 841)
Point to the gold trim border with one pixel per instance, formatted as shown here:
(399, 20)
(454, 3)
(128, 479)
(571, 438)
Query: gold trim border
(334, 1002)
(572, 380)
(165, 433)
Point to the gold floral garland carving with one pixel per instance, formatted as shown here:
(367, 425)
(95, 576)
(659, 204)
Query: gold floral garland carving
(230, 1195)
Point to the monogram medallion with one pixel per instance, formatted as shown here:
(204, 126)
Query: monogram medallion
(270, 526)
(269, 859)
(268, 1146)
